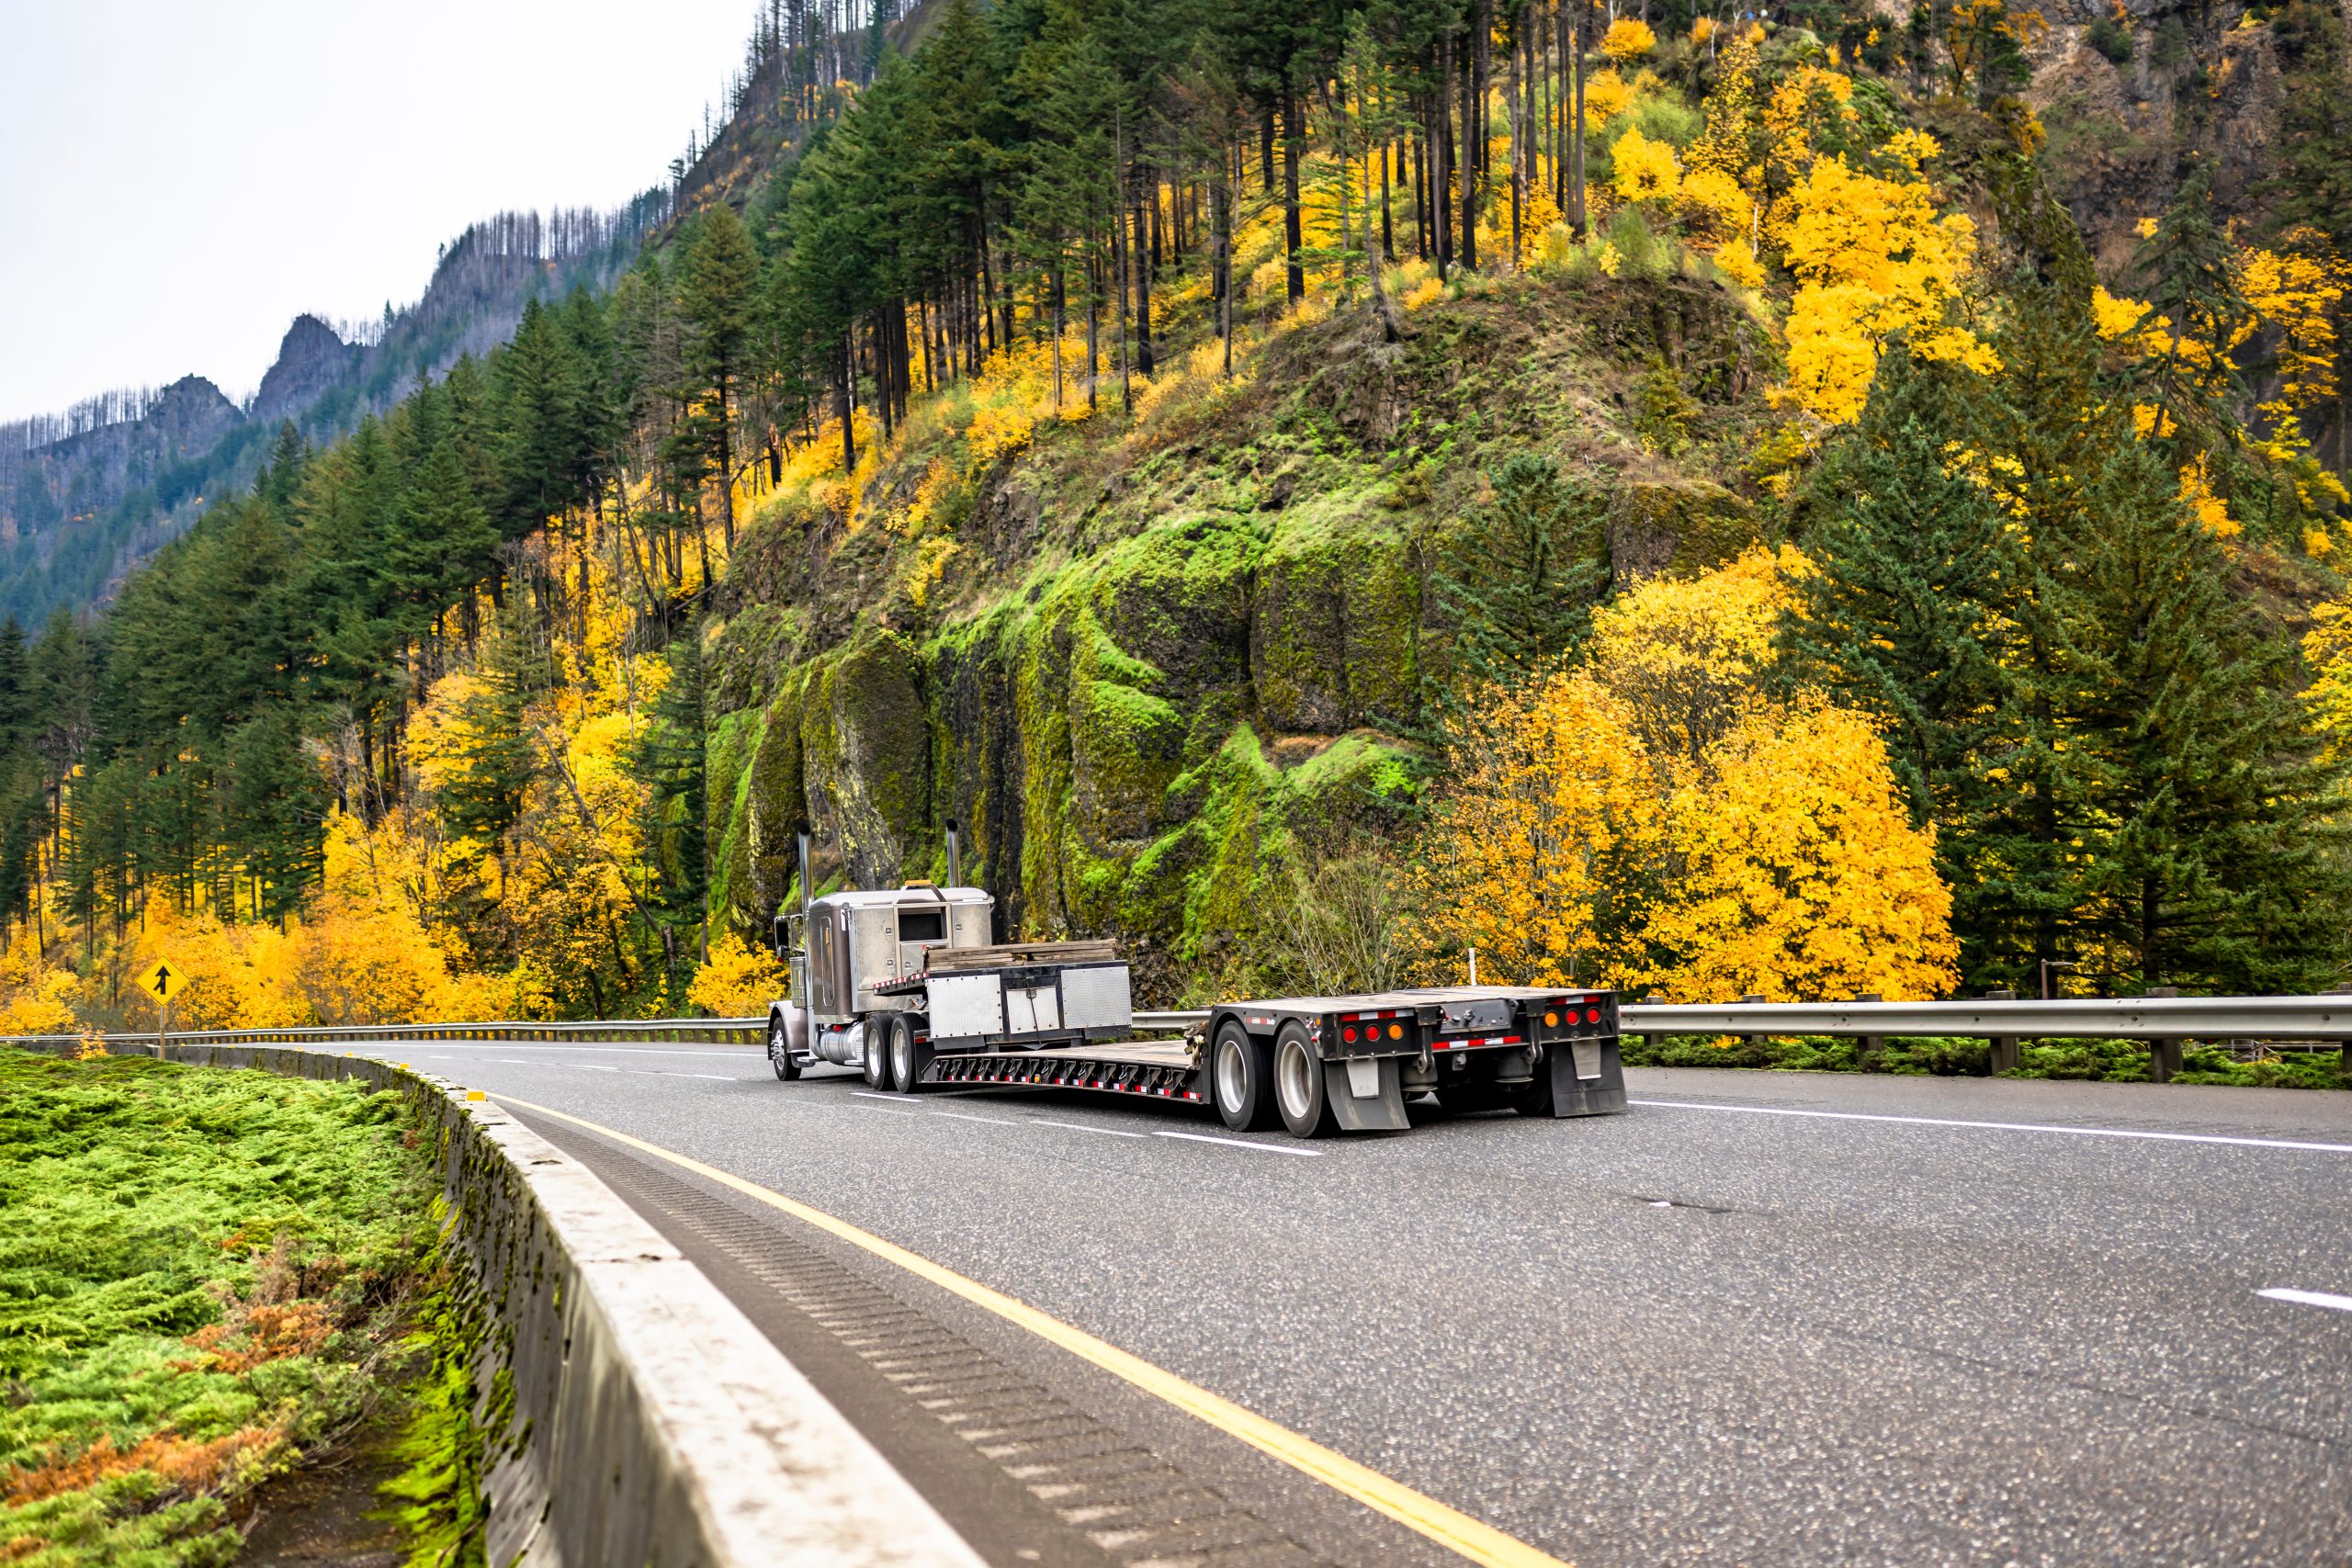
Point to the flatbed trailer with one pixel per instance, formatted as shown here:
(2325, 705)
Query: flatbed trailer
(1318, 1065)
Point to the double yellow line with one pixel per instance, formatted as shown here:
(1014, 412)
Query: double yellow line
(1450, 1528)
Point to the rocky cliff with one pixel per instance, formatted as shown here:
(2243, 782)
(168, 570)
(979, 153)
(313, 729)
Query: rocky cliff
(1161, 670)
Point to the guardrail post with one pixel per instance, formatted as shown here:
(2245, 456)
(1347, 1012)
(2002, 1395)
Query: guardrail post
(2343, 1052)
(2164, 1052)
(1868, 1046)
(2002, 1053)
(1755, 1039)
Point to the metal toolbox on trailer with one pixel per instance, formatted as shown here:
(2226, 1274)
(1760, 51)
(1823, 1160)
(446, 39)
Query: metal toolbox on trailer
(1012, 1001)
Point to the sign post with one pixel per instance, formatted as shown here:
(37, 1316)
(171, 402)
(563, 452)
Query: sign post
(163, 981)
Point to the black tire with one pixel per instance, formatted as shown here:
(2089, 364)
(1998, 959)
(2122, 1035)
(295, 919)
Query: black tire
(780, 1050)
(909, 1058)
(1242, 1071)
(1534, 1098)
(1299, 1086)
(875, 1054)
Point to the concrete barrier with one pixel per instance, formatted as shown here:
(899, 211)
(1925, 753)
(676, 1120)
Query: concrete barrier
(649, 1423)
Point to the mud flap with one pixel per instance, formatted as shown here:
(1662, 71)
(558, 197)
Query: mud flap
(1381, 1110)
(1588, 1079)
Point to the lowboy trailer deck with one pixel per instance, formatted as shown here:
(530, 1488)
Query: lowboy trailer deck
(1318, 1065)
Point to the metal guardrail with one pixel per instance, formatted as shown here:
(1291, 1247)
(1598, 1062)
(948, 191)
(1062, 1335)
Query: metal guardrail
(2163, 1021)
(2129, 1018)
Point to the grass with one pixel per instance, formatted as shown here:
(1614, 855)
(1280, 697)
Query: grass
(2106, 1061)
(202, 1275)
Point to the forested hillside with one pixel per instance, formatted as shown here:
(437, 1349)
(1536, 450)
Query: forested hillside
(87, 495)
(1790, 507)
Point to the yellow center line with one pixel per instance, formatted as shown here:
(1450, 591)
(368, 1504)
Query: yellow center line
(1454, 1531)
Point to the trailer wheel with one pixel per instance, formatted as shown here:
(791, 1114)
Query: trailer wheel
(875, 1056)
(1239, 1068)
(908, 1060)
(780, 1049)
(1298, 1083)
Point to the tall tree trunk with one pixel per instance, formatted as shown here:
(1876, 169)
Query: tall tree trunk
(1147, 247)
(842, 407)
(1577, 216)
(1387, 177)
(1441, 157)
(1474, 131)
(1119, 251)
(1294, 239)
(1221, 206)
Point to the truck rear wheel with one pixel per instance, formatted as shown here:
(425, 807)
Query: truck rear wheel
(1298, 1083)
(1240, 1069)
(875, 1052)
(909, 1058)
(780, 1049)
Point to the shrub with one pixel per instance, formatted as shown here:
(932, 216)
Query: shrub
(2112, 39)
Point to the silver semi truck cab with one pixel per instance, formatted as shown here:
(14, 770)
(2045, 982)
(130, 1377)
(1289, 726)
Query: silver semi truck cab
(845, 949)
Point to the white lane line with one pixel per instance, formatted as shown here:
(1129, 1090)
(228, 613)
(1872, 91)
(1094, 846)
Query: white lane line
(715, 1078)
(1082, 1127)
(968, 1116)
(888, 1109)
(2310, 1299)
(1242, 1143)
(2011, 1126)
(869, 1094)
(590, 1067)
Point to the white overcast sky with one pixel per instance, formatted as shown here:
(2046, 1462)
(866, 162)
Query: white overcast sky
(179, 178)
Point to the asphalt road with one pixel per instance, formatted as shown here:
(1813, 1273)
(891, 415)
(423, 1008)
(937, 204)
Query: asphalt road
(1758, 1319)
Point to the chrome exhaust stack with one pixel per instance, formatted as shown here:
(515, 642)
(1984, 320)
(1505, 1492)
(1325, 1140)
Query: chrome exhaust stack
(955, 855)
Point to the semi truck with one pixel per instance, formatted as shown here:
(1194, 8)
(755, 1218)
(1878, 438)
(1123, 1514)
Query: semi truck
(908, 985)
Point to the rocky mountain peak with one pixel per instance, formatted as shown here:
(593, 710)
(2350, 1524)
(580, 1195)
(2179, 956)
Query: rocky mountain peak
(311, 358)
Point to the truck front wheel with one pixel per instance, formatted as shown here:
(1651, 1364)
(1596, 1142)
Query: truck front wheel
(780, 1049)
(1299, 1083)
(1240, 1068)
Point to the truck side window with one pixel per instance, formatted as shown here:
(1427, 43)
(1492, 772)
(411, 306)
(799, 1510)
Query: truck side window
(922, 925)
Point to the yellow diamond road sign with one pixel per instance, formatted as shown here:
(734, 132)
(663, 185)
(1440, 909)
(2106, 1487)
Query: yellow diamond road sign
(163, 981)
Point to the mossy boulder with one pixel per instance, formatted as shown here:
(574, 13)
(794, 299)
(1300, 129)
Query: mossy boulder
(1335, 620)
(865, 746)
(1681, 524)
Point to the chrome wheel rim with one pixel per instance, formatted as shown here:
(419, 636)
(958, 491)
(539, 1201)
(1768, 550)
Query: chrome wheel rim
(1292, 1067)
(902, 1057)
(1229, 1075)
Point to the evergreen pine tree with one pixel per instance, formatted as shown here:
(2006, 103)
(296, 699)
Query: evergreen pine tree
(2216, 862)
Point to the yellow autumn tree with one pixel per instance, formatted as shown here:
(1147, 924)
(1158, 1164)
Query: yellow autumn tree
(1872, 258)
(35, 996)
(737, 980)
(1684, 656)
(1627, 40)
(1645, 169)
(239, 977)
(1800, 875)
(1533, 861)
(1655, 818)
